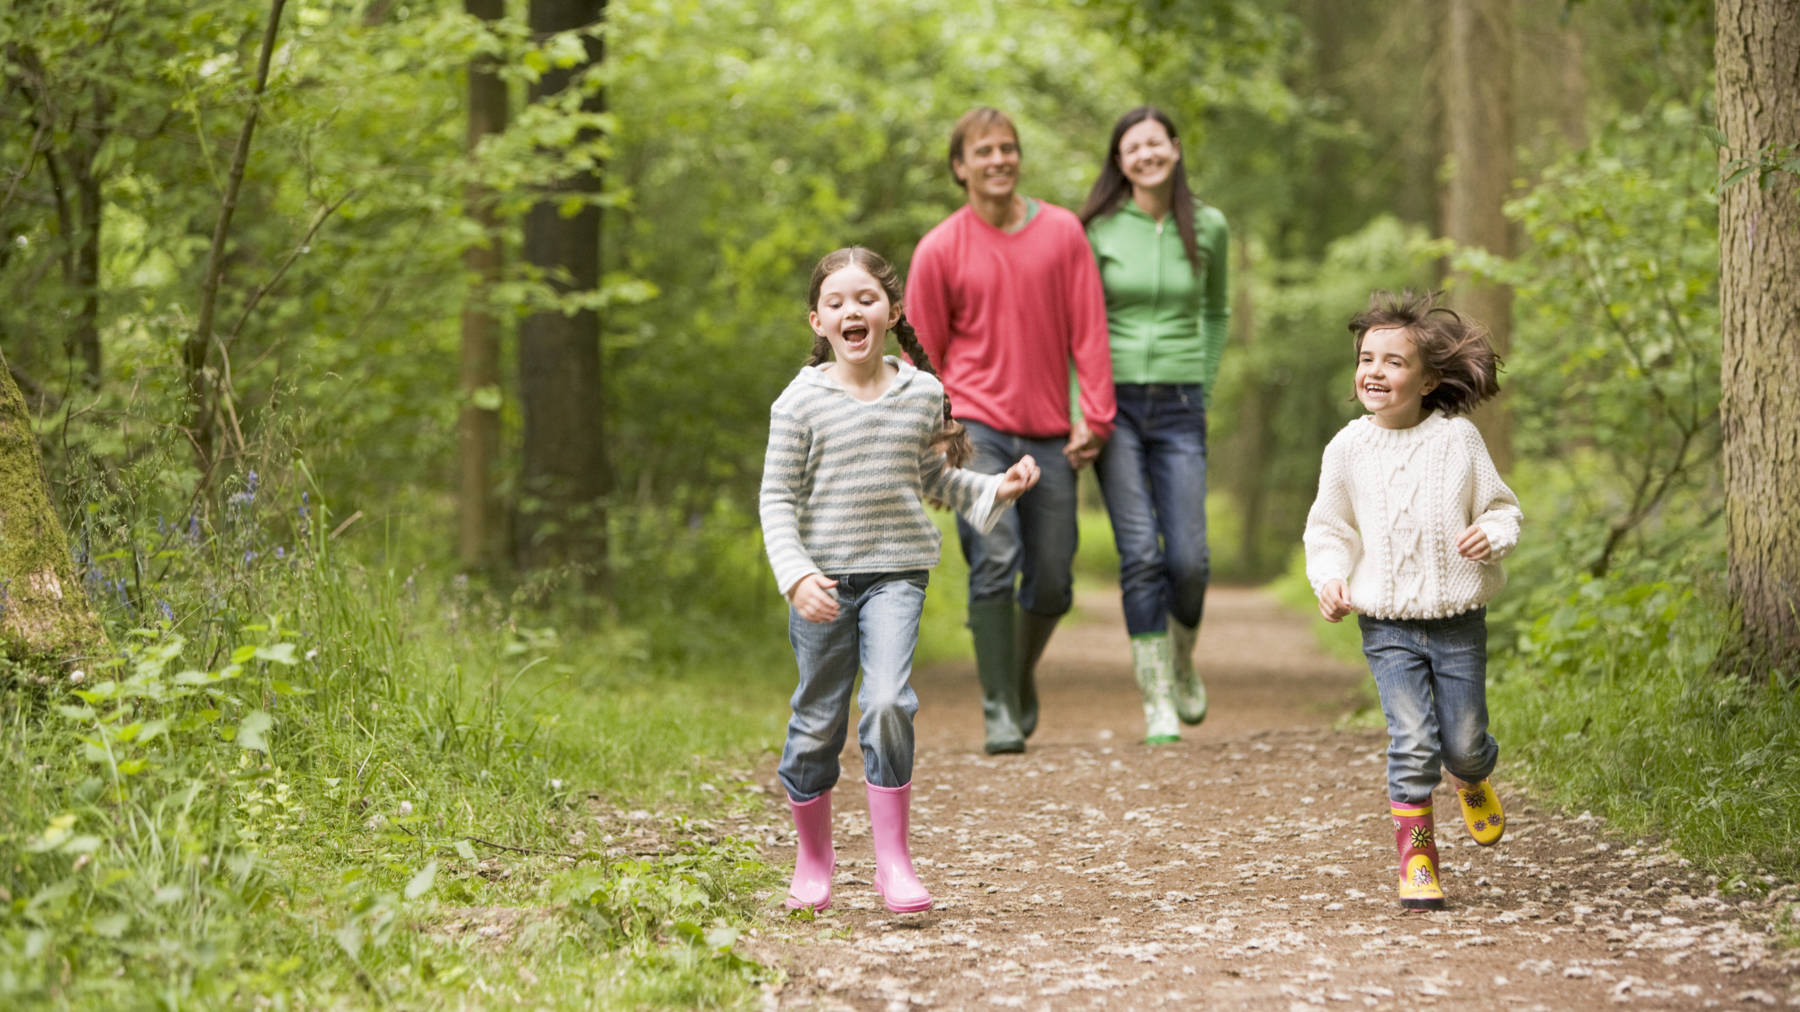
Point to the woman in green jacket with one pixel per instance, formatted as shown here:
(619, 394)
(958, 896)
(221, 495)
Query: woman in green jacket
(1162, 257)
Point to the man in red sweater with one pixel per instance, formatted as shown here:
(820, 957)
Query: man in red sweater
(1004, 294)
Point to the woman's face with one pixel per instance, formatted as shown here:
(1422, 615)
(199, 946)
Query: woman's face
(1147, 155)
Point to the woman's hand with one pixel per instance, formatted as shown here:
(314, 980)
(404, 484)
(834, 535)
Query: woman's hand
(1018, 479)
(1334, 600)
(1473, 544)
(812, 597)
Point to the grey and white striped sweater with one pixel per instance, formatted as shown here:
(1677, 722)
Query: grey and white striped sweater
(845, 481)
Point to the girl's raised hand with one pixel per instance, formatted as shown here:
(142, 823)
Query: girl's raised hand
(1473, 544)
(812, 597)
(1334, 600)
(1017, 479)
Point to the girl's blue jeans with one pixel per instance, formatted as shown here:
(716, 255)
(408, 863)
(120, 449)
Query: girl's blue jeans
(1153, 478)
(1033, 544)
(1432, 675)
(876, 629)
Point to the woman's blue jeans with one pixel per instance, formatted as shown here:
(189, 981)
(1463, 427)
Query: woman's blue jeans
(1432, 675)
(1033, 544)
(1153, 478)
(876, 629)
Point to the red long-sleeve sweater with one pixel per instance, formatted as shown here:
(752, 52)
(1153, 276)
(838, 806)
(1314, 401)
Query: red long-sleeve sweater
(1002, 314)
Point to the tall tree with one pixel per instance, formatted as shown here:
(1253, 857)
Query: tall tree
(44, 613)
(1477, 88)
(478, 427)
(1759, 308)
(561, 516)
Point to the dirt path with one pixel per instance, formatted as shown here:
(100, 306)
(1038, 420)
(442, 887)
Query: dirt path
(1250, 866)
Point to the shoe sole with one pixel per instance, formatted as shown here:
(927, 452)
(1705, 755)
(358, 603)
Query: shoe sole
(1003, 747)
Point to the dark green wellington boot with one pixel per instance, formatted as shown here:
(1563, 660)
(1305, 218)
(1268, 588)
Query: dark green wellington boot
(996, 658)
(1033, 634)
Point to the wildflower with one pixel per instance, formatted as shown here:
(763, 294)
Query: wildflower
(280, 552)
(555, 785)
(77, 676)
(310, 654)
(249, 557)
(168, 613)
(251, 483)
(405, 808)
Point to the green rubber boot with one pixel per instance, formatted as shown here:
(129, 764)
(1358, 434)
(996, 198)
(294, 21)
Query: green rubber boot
(1154, 666)
(1032, 634)
(1190, 691)
(996, 664)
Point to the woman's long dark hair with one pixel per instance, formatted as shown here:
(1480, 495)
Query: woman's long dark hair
(1112, 188)
(952, 440)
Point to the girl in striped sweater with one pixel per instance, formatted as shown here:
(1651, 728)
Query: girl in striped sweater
(858, 442)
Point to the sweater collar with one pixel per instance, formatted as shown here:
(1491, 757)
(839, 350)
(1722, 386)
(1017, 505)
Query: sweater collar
(816, 375)
(1427, 427)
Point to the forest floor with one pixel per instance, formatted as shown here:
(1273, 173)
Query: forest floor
(1249, 866)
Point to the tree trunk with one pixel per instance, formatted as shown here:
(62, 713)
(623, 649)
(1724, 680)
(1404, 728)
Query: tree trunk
(1255, 429)
(1758, 68)
(1477, 86)
(561, 515)
(478, 427)
(45, 620)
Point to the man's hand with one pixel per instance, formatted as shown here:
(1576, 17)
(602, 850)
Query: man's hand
(1083, 445)
(812, 597)
(1018, 479)
(1334, 600)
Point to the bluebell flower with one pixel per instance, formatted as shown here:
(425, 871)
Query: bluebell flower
(168, 613)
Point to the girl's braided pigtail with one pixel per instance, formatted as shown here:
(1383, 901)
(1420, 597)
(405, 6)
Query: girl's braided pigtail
(821, 350)
(952, 440)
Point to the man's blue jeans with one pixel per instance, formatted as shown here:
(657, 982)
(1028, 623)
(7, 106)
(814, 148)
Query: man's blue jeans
(1033, 545)
(1153, 478)
(1432, 675)
(876, 629)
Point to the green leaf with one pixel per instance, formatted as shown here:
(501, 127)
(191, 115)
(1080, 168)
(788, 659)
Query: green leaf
(252, 729)
(279, 653)
(421, 883)
(464, 851)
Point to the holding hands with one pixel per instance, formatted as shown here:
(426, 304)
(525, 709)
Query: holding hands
(1018, 479)
(1083, 445)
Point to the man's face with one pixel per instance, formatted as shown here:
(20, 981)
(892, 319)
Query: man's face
(989, 166)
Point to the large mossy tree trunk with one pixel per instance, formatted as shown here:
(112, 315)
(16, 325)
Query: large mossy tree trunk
(1757, 52)
(45, 620)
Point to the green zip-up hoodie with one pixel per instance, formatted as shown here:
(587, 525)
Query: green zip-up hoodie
(1167, 323)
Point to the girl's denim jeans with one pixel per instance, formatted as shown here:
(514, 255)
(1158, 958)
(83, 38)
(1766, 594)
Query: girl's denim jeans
(1153, 477)
(1432, 675)
(876, 629)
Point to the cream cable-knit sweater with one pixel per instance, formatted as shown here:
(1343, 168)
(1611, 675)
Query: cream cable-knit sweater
(1392, 503)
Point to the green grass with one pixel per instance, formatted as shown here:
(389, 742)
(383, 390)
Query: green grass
(318, 781)
(1609, 704)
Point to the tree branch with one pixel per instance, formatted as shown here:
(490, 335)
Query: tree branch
(194, 352)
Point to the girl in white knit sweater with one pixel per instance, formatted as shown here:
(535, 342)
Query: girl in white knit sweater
(1408, 531)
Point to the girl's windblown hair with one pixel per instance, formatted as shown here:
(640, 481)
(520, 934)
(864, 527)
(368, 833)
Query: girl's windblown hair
(951, 439)
(1454, 349)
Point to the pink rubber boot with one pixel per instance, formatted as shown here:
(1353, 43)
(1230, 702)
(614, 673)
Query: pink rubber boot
(1414, 836)
(814, 860)
(894, 877)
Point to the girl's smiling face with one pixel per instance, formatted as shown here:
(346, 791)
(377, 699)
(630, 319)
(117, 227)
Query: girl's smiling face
(1391, 379)
(854, 314)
